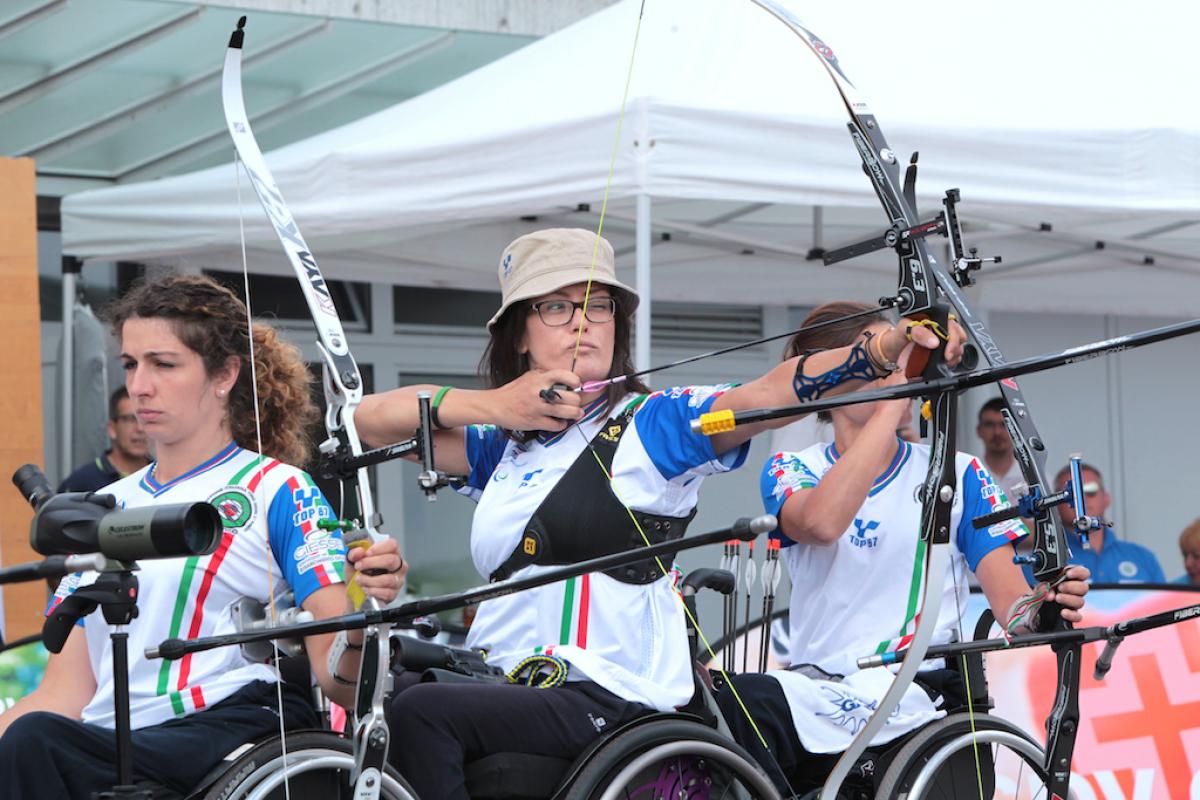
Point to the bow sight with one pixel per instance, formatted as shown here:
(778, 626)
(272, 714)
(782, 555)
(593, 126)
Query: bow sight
(944, 224)
(337, 462)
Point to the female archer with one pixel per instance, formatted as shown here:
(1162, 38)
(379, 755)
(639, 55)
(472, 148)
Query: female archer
(568, 459)
(849, 514)
(185, 344)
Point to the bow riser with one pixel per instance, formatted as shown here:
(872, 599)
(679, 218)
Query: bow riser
(1028, 446)
(921, 276)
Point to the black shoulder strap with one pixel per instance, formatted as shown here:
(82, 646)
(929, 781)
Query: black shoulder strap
(582, 518)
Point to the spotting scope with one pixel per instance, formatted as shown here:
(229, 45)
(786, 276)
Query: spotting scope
(90, 522)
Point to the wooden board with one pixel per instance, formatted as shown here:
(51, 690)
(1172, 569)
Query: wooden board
(20, 375)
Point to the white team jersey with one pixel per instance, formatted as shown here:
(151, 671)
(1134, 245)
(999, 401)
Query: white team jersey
(628, 638)
(861, 595)
(193, 597)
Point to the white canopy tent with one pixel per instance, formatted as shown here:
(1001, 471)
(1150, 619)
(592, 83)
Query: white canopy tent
(1059, 113)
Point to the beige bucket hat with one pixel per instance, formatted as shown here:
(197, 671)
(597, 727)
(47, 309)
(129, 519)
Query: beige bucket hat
(545, 261)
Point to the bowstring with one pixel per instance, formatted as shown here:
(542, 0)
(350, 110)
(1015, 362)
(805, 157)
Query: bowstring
(679, 595)
(237, 166)
(575, 356)
(966, 673)
(612, 166)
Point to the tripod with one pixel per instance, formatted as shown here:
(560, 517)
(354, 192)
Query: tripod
(115, 592)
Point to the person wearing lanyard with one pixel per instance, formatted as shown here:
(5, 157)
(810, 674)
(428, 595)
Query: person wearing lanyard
(130, 450)
(539, 447)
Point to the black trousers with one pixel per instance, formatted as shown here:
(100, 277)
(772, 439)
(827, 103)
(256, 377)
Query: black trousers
(792, 768)
(439, 727)
(46, 756)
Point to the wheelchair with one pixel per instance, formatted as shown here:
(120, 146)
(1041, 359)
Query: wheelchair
(684, 754)
(968, 753)
(317, 763)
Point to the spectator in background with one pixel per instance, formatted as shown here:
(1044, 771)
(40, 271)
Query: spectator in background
(1110, 560)
(130, 450)
(1189, 548)
(997, 447)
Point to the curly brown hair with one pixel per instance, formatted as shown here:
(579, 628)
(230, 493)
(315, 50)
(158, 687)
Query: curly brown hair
(212, 321)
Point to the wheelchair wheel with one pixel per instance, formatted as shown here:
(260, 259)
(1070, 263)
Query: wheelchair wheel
(946, 760)
(318, 765)
(671, 759)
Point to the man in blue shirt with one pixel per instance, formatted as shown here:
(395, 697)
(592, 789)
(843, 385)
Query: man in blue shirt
(1111, 560)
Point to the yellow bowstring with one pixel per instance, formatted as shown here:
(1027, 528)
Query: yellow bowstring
(691, 617)
(612, 166)
(575, 355)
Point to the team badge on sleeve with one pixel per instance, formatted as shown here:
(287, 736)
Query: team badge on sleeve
(235, 506)
(790, 475)
(994, 496)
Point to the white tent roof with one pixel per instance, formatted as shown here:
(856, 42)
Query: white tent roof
(1058, 112)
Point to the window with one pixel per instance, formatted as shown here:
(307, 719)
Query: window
(443, 308)
(704, 325)
(280, 297)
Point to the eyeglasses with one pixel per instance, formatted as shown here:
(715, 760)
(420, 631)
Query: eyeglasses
(556, 313)
(128, 419)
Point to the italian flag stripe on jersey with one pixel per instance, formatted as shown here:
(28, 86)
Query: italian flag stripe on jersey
(183, 599)
(575, 611)
(911, 617)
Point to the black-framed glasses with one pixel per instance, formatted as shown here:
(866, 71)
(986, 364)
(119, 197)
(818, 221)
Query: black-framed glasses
(556, 313)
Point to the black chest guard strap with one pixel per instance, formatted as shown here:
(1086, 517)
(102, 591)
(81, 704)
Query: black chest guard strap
(582, 518)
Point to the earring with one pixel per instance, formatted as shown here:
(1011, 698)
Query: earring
(220, 392)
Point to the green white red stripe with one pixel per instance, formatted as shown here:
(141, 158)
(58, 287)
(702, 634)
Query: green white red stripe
(573, 626)
(183, 600)
(912, 616)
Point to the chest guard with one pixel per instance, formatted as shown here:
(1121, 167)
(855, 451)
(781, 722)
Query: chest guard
(581, 517)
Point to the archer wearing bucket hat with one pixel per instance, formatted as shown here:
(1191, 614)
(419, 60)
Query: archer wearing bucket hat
(561, 439)
(544, 261)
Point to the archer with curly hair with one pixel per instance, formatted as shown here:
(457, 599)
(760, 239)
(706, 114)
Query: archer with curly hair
(191, 359)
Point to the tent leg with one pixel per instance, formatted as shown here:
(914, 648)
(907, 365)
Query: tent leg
(641, 352)
(66, 370)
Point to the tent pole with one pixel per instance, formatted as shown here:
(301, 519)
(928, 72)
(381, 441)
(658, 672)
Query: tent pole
(66, 370)
(641, 353)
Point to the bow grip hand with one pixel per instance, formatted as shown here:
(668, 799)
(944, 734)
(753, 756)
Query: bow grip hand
(924, 362)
